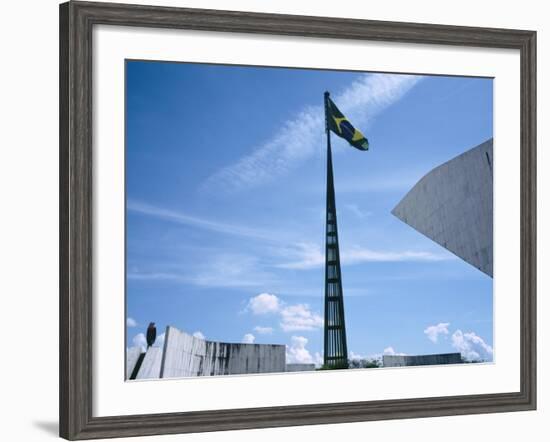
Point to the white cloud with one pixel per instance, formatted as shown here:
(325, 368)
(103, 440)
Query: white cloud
(264, 303)
(433, 331)
(389, 351)
(310, 256)
(297, 353)
(199, 335)
(140, 341)
(300, 137)
(299, 317)
(293, 317)
(471, 346)
(248, 338)
(131, 322)
(263, 330)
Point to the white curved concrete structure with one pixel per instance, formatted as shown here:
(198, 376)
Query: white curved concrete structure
(453, 206)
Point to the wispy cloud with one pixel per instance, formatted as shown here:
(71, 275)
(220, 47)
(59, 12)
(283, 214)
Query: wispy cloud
(397, 181)
(232, 270)
(357, 211)
(190, 220)
(359, 254)
(298, 255)
(273, 251)
(226, 270)
(301, 135)
(310, 256)
(400, 180)
(131, 322)
(304, 255)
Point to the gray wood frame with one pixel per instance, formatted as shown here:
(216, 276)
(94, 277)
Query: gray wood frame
(76, 243)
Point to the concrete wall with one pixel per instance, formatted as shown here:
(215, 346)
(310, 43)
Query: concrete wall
(300, 367)
(436, 359)
(132, 356)
(453, 206)
(150, 367)
(186, 355)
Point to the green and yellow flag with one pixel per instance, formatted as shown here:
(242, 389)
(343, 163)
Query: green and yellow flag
(341, 126)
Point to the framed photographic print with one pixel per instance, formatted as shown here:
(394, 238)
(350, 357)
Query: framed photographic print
(271, 220)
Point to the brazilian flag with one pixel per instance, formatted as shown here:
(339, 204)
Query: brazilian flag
(341, 126)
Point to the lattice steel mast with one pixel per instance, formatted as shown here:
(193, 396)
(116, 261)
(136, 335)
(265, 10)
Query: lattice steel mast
(335, 348)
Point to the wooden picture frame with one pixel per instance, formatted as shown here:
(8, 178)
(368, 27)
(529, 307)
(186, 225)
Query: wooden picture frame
(76, 243)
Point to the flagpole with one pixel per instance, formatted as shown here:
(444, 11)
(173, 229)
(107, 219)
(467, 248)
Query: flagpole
(335, 343)
(329, 177)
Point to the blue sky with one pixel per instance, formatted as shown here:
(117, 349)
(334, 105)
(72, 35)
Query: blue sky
(225, 183)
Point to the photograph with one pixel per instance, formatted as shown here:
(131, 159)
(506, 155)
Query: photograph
(281, 219)
(275, 220)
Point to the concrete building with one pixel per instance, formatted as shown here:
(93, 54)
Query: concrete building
(453, 206)
(300, 367)
(184, 355)
(407, 361)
